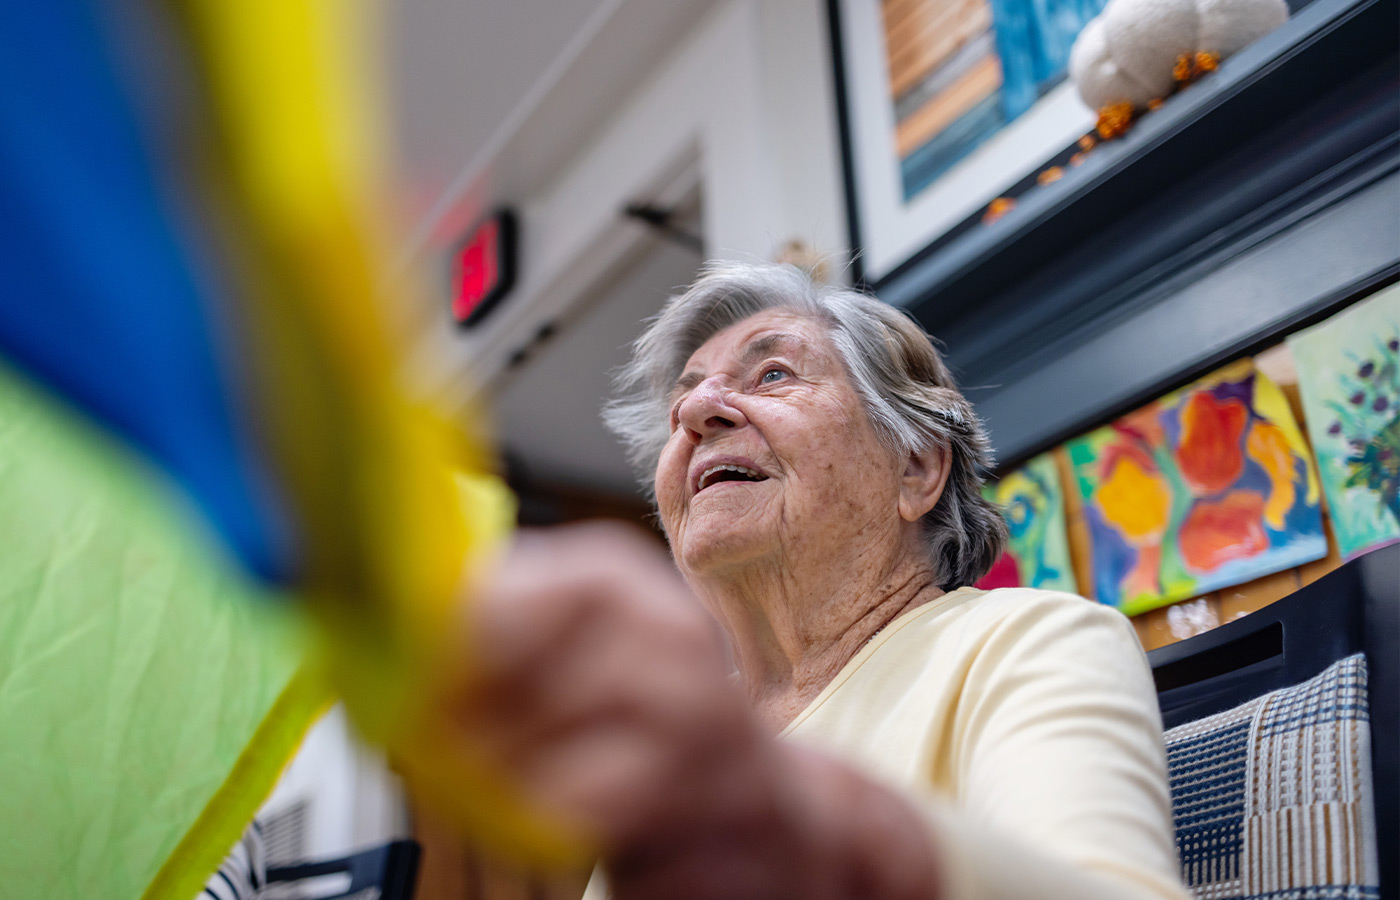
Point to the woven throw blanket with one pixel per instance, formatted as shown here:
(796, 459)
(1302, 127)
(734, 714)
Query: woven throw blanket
(1273, 799)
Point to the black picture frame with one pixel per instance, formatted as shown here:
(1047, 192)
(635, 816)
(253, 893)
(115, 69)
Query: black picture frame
(886, 224)
(1258, 200)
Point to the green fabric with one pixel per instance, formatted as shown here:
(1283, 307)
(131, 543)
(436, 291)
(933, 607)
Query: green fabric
(135, 664)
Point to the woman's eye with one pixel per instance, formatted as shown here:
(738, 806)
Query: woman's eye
(772, 376)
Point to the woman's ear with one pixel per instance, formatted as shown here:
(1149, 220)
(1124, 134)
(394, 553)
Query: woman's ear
(925, 474)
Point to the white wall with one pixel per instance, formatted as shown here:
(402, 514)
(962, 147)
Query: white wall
(548, 409)
(743, 109)
(353, 800)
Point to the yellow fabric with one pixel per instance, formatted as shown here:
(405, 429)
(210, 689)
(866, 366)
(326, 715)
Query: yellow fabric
(1026, 724)
(299, 190)
(227, 815)
(301, 195)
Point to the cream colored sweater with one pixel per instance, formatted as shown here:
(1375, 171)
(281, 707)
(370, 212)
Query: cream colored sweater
(1025, 724)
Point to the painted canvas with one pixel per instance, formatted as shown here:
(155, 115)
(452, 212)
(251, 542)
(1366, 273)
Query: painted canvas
(959, 70)
(1210, 486)
(1037, 555)
(1349, 375)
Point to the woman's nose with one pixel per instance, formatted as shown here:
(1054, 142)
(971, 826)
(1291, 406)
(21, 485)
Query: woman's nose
(708, 410)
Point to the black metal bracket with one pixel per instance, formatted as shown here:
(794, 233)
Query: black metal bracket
(660, 221)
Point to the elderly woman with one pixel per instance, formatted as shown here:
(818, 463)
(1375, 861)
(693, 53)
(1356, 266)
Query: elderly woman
(816, 474)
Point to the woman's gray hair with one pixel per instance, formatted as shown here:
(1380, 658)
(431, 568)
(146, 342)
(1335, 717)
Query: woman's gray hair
(905, 388)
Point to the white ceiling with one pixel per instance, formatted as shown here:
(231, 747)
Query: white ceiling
(460, 68)
(489, 99)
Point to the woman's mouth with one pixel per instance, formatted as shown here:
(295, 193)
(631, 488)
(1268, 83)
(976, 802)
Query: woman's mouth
(727, 472)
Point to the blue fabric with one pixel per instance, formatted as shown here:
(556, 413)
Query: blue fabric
(1338, 696)
(100, 300)
(1273, 763)
(1207, 784)
(1324, 892)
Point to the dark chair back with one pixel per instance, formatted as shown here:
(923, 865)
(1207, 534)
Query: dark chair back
(391, 868)
(1354, 609)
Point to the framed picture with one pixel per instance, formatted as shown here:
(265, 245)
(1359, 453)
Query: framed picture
(946, 104)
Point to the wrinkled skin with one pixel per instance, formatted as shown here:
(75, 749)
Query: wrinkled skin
(805, 564)
(792, 414)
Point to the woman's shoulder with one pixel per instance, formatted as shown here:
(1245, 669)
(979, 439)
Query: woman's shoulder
(972, 644)
(1034, 615)
(1031, 603)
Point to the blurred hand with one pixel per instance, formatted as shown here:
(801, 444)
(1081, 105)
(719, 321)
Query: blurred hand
(602, 688)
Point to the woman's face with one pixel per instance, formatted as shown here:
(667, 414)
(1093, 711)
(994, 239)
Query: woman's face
(771, 453)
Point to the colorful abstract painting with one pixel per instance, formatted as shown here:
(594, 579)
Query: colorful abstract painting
(1037, 555)
(1210, 486)
(1349, 375)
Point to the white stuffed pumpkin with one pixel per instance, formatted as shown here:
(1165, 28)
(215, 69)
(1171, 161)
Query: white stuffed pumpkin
(1128, 52)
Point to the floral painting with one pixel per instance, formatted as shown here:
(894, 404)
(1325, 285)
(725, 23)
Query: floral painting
(1210, 486)
(1037, 555)
(1349, 375)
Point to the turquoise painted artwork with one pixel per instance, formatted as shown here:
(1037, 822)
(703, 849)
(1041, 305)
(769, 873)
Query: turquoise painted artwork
(1349, 376)
(1032, 500)
(960, 70)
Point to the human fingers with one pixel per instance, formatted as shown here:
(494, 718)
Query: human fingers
(555, 584)
(599, 683)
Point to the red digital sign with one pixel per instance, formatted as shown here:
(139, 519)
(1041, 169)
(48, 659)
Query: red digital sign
(484, 268)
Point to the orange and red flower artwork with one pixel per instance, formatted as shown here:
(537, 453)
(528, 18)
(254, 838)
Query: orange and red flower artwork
(1210, 486)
